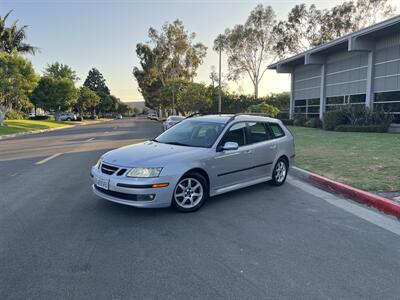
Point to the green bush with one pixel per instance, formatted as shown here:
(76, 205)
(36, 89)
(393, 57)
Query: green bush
(16, 115)
(287, 122)
(42, 118)
(334, 118)
(299, 120)
(264, 108)
(314, 123)
(361, 128)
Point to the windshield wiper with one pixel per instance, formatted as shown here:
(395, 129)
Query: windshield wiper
(154, 140)
(177, 144)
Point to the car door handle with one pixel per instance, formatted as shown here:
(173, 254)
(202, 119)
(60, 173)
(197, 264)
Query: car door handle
(248, 151)
(272, 147)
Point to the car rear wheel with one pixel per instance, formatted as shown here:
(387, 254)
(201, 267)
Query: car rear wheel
(280, 172)
(190, 193)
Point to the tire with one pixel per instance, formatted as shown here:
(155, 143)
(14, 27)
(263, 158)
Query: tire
(69, 119)
(280, 172)
(185, 198)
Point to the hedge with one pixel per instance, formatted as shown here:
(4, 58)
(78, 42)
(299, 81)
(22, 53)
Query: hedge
(363, 128)
(287, 122)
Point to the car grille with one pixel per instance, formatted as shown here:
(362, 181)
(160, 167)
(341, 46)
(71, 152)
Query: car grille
(107, 169)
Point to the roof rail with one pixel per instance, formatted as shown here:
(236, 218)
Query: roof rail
(202, 114)
(247, 114)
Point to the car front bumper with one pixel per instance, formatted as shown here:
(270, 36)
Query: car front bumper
(131, 191)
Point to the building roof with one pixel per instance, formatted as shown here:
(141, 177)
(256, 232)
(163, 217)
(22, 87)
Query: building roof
(388, 26)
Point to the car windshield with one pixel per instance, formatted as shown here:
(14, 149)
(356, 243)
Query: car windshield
(175, 118)
(192, 133)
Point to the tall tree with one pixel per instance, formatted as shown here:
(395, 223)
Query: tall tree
(307, 27)
(249, 46)
(54, 94)
(87, 101)
(96, 82)
(17, 80)
(58, 71)
(170, 54)
(12, 39)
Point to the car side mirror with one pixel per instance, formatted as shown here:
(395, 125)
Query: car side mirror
(229, 146)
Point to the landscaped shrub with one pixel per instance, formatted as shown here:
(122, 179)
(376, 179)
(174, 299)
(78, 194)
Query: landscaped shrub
(334, 118)
(287, 122)
(361, 128)
(16, 115)
(264, 108)
(42, 118)
(314, 123)
(299, 120)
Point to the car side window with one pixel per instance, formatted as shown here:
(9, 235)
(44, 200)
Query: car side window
(276, 130)
(258, 132)
(235, 134)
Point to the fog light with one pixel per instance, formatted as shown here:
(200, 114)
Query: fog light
(148, 197)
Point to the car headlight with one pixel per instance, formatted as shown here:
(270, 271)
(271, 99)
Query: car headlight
(144, 172)
(97, 165)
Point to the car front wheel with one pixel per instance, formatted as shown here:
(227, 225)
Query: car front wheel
(280, 172)
(190, 193)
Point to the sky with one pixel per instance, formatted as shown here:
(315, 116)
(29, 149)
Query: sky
(103, 34)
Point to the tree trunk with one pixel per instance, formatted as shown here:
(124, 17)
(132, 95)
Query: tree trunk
(256, 91)
(3, 110)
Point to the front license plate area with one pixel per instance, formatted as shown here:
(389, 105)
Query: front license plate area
(102, 182)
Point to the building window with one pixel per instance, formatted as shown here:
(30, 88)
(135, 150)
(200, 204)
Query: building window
(389, 102)
(334, 102)
(307, 107)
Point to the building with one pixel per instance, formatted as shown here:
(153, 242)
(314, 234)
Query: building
(361, 68)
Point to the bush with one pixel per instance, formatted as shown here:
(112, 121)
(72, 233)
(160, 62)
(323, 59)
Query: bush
(16, 115)
(299, 120)
(334, 118)
(264, 108)
(287, 122)
(314, 123)
(361, 128)
(41, 118)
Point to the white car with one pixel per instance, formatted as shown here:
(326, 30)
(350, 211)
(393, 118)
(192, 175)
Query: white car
(152, 116)
(171, 121)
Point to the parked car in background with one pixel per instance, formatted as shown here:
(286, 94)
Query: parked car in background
(152, 116)
(118, 117)
(198, 157)
(171, 121)
(67, 116)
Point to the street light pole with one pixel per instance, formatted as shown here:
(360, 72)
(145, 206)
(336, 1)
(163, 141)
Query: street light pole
(219, 79)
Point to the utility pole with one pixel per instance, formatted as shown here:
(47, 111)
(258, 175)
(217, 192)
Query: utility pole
(219, 85)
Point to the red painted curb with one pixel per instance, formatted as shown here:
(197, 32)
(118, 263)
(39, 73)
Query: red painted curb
(385, 205)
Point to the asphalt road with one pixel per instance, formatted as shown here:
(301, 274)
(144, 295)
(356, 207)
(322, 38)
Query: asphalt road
(59, 241)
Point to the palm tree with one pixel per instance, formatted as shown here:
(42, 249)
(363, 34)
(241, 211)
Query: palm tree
(12, 38)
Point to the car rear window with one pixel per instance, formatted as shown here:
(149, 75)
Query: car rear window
(258, 132)
(276, 130)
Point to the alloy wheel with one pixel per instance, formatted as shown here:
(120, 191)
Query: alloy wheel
(188, 193)
(280, 172)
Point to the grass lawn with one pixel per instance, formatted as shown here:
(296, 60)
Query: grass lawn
(15, 126)
(370, 161)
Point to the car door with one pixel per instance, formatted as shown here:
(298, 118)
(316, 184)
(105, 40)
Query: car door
(264, 148)
(234, 166)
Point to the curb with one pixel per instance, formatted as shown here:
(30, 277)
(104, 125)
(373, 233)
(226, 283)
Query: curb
(10, 136)
(382, 204)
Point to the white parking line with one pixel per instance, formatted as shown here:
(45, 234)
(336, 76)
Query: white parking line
(91, 139)
(48, 158)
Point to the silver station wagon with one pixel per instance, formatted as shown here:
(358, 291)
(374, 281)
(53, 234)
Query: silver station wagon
(200, 157)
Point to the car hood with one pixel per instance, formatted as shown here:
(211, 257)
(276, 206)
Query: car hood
(151, 154)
